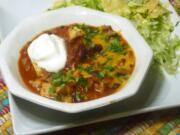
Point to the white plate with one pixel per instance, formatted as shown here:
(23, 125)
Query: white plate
(29, 119)
(41, 22)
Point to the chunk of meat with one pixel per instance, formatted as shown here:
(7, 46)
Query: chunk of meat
(39, 71)
(75, 32)
(60, 31)
(45, 89)
(92, 50)
(76, 51)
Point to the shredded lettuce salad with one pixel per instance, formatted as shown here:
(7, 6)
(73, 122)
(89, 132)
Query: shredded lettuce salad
(151, 19)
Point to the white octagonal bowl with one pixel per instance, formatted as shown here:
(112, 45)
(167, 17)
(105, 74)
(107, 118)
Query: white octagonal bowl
(29, 28)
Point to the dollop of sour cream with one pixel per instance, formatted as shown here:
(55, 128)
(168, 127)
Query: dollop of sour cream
(48, 52)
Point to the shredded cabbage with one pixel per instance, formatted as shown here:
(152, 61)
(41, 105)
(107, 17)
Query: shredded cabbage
(150, 18)
(94, 4)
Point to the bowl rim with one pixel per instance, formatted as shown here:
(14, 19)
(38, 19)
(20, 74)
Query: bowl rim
(61, 106)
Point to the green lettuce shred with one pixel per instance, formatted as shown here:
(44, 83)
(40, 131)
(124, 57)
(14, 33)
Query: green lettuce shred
(152, 20)
(94, 4)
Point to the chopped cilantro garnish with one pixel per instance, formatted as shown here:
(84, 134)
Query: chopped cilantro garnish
(100, 75)
(69, 76)
(51, 90)
(108, 67)
(82, 81)
(57, 82)
(57, 75)
(115, 46)
(78, 96)
(118, 75)
(90, 32)
(80, 67)
(61, 79)
(62, 85)
(89, 69)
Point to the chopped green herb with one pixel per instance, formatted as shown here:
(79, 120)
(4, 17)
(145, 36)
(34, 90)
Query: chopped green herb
(51, 90)
(57, 82)
(118, 75)
(62, 85)
(90, 32)
(80, 67)
(108, 67)
(69, 76)
(57, 75)
(126, 76)
(59, 79)
(115, 46)
(82, 81)
(89, 69)
(100, 75)
(78, 96)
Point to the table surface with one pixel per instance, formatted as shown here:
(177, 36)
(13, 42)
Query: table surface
(166, 122)
(160, 122)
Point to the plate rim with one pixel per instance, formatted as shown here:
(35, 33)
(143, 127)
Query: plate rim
(130, 113)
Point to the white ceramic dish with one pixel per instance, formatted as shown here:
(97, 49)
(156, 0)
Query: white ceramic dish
(32, 26)
(153, 95)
